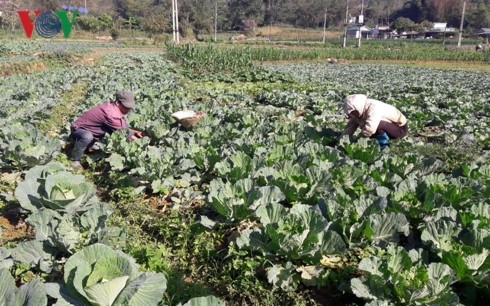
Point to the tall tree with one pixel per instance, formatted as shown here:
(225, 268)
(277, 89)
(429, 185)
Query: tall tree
(157, 20)
(9, 16)
(479, 16)
(309, 13)
(415, 10)
(441, 10)
(49, 4)
(197, 15)
(242, 10)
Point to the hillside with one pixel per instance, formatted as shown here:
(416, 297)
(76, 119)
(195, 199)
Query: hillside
(197, 17)
(99, 5)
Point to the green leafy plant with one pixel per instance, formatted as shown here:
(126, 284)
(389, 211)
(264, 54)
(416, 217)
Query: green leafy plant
(53, 187)
(98, 275)
(364, 149)
(24, 146)
(64, 208)
(238, 201)
(31, 293)
(402, 277)
(298, 233)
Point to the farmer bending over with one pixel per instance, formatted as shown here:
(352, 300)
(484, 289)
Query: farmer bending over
(96, 122)
(377, 119)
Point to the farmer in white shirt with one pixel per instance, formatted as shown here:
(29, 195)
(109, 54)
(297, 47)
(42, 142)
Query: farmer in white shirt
(375, 118)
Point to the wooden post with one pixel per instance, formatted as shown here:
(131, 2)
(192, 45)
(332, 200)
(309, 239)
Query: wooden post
(444, 38)
(177, 22)
(460, 36)
(270, 29)
(324, 26)
(216, 21)
(173, 22)
(360, 23)
(346, 23)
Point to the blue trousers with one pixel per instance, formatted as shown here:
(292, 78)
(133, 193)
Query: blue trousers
(83, 139)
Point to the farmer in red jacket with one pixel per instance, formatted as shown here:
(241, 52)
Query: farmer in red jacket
(96, 122)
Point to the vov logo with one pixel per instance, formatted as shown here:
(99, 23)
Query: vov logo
(47, 23)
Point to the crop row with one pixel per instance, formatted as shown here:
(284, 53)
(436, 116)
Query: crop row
(237, 55)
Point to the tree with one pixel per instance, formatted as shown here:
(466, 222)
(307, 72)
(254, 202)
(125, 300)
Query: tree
(415, 10)
(134, 8)
(241, 10)
(94, 23)
(197, 15)
(425, 25)
(309, 13)
(376, 12)
(9, 16)
(157, 21)
(49, 4)
(479, 17)
(441, 10)
(402, 24)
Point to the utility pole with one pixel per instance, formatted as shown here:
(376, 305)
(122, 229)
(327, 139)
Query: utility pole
(269, 9)
(216, 21)
(270, 29)
(175, 21)
(346, 22)
(460, 37)
(177, 32)
(444, 38)
(361, 21)
(324, 26)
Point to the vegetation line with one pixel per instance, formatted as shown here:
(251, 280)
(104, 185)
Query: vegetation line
(60, 113)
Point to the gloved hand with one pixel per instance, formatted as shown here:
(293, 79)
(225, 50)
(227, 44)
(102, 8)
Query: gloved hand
(383, 140)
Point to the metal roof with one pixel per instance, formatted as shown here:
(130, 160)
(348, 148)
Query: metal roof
(485, 31)
(439, 30)
(363, 29)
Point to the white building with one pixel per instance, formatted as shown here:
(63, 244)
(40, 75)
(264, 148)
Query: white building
(440, 29)
(353, 31)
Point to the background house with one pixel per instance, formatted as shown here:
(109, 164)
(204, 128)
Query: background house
(485, 33)
(409, 34)
(440, 29)
(366, 32)
(80, 9)
(383, 32)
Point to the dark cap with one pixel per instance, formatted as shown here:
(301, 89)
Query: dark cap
(126, 98)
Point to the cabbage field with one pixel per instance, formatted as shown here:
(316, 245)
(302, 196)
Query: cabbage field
(262, 202)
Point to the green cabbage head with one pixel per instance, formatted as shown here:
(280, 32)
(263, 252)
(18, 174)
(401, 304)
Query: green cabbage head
(99, 275)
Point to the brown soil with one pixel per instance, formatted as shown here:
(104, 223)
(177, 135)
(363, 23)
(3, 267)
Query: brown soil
(13, 227)
(162, 203)
(21, 68)
(159, 204)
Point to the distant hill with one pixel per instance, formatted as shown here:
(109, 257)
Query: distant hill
(198, 16)
(99, 6)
